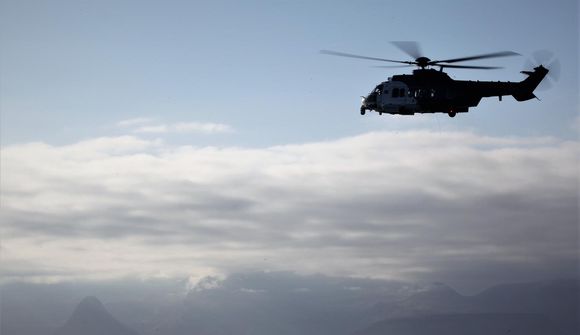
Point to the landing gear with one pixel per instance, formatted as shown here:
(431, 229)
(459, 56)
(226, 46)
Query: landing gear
(451, 114)
(362, 111)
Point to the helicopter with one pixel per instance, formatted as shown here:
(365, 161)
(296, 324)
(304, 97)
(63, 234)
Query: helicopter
(428, 90)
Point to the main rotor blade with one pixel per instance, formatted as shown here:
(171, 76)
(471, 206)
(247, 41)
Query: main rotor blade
(469, 67)
(411, 48)
(390, 66)
(463, 59)
(344, 54)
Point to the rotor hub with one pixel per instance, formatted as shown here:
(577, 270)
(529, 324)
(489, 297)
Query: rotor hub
(422, 62)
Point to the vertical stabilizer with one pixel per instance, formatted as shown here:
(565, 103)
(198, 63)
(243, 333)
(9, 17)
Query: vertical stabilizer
(526, 87)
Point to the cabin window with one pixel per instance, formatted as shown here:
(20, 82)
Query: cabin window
(402, 93)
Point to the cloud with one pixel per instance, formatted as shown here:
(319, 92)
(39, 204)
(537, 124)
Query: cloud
(146, 125)
(413, 205)
(206, 128)
(186, 127)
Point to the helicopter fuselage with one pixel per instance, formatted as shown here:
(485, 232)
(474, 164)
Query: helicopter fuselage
(432, 91)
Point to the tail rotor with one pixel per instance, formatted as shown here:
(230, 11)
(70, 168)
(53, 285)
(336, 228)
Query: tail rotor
(549, 61)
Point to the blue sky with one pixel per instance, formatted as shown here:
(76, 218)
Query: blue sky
(73, 69)
(188, 138)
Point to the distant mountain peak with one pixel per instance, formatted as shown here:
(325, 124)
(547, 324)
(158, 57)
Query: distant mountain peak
(91, 304)
(90, 317)
(438, 290)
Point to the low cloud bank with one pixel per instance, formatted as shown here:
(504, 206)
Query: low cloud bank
(458, 207)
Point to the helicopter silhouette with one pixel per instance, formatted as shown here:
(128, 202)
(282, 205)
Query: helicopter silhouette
(428, 90)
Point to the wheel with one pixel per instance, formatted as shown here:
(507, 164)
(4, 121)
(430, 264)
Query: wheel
(362, 111)
(452, 114)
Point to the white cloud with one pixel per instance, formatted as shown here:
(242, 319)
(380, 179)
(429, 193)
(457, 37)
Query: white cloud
(396, 205)
(145, 125)
(206, 128)
(152, 129)
(250, 290)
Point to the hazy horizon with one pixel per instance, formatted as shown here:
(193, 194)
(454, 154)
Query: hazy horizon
(271, 302)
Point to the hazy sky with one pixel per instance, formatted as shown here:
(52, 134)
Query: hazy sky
(72, 69)
(186, 138)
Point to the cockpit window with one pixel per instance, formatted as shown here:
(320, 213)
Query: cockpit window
(395, 92)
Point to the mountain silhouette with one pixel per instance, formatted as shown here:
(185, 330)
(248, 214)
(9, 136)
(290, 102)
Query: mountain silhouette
(459, 324)
(548, 307)
(91, 318)
(266, 303)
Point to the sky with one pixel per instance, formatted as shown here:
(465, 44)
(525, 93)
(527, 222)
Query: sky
(189, 138)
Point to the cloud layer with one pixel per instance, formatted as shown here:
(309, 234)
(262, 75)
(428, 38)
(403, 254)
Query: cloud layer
(457, 207)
